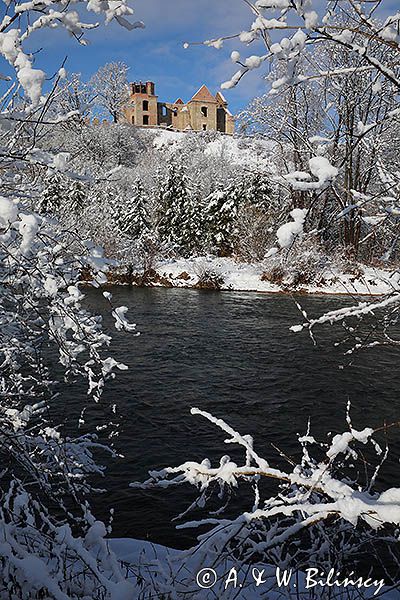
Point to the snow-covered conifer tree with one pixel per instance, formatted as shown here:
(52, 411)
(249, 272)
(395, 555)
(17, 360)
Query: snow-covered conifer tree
(134, 219)
(221, 213)
(257, 191)
(172, 190)
(194, 232)
(176, 209)
(76, 196)
(61, 195)
(53, 195)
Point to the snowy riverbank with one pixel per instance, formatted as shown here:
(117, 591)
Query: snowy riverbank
(227, 274)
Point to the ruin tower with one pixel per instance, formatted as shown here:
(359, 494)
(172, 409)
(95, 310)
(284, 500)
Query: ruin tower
(142, 109)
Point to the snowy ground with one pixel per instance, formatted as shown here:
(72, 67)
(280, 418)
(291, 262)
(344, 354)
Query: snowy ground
(248, 277)
(180, 574)
(244, 152)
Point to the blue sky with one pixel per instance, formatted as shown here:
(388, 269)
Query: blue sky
(156, 53)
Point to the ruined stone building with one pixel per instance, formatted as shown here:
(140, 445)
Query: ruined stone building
(204, 112)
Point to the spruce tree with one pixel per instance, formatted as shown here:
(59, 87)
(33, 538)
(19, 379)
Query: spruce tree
(131, 216)
(257, 191)
(76, 196)
(221, 216)
(176, 210)
(192, 232)
(53, 194)
(118, 208)
(134, 220)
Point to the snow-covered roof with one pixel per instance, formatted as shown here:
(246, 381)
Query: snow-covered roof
(221, 98)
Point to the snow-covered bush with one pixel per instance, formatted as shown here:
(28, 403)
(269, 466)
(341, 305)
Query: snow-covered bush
(207, 279)
(300, 265)
(261, 210)
(145, 254)
(254, 234)
(94, 148)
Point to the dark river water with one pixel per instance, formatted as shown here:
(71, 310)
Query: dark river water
(233, 355)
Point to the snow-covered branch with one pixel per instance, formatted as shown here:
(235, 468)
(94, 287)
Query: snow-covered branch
(320, 488)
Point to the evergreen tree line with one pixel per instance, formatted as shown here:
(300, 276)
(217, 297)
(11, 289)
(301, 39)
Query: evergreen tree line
(175, 212)
(186, 221)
